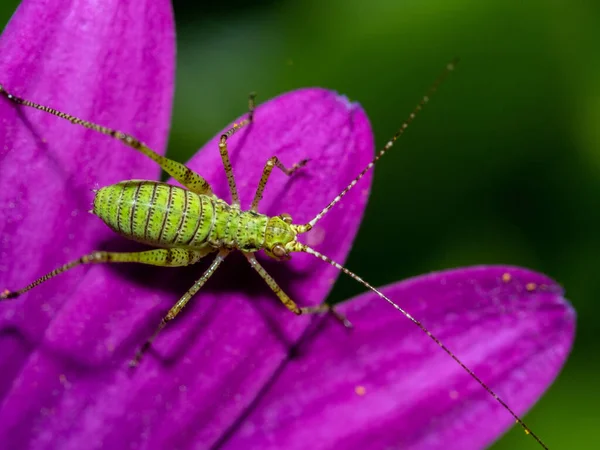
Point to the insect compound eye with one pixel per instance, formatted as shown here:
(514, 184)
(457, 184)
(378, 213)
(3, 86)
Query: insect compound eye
(279, 251)
(286, 218)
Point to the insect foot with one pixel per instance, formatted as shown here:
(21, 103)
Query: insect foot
(6, 294)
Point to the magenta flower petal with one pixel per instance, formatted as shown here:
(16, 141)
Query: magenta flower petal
(336, 138)
(387, 385)
(71, 56)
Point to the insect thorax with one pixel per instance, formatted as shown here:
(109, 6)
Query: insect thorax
(163, 215)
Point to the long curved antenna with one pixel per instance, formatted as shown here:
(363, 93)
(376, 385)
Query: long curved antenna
(449, 68)
(306, 249)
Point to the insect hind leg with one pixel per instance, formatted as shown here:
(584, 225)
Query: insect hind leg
(288, 302)
(173, 257)
(186, 176)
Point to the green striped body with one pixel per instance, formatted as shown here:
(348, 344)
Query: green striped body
(167, 216)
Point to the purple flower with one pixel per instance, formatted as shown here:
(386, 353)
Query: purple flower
(224, 373)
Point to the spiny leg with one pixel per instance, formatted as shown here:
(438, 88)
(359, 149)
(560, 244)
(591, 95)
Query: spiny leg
(180, 172)
(287, 301)
(235, 197)
(173, 257)
(176, 309)
(272, 162)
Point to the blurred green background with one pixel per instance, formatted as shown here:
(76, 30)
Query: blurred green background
(503, 167)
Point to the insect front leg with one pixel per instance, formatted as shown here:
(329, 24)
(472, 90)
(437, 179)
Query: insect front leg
(235, 197)
(180, 172)
(171, 257)
(287, 301)
(272, 162)
(176, 309)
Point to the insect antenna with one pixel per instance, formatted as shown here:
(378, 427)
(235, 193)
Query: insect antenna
(424, 100)
(306, 249)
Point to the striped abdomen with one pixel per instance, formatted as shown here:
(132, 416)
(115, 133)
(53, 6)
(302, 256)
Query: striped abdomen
(163, 215)
(155, 213)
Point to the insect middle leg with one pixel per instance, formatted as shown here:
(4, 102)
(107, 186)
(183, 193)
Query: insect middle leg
(187, 177)
(176, 309)
(272, 162)
(171, 257)
(287, 301)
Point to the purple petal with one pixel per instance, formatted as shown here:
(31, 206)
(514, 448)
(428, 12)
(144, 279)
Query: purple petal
(387, 385)
(336, 138)
(71, 56)
(224, 348)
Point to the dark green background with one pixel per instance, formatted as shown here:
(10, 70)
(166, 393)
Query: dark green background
(503, 167)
